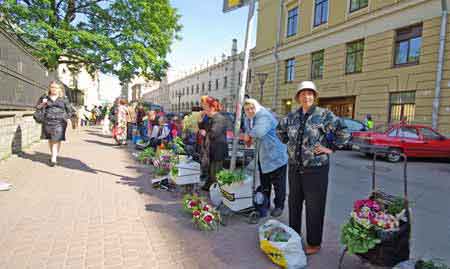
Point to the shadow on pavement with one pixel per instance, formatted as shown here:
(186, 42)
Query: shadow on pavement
(65, 162)
(101, 143)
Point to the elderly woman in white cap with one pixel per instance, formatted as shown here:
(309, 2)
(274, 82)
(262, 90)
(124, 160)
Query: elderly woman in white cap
(272, 153)
(305, 132)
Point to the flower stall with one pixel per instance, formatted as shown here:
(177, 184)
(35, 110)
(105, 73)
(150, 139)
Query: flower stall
(379, 227)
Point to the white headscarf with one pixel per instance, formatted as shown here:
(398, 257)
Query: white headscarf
(255, 103)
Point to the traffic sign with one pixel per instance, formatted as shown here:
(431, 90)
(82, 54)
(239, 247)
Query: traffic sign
(229, 5)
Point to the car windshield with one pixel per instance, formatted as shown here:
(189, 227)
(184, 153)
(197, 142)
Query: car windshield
(353, 125)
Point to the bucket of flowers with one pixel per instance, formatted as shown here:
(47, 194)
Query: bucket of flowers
(203, 214)
(379, 228)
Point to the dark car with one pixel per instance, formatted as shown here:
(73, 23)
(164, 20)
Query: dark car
(353, 126)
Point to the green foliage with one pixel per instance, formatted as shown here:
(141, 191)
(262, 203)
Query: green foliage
(396, 207)
(226, 177)
(357, 238)
(177, 146)
(122, 37)
(421, 264)
(146, 154)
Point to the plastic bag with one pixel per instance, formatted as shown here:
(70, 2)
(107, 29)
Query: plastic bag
(215, 195)
(282, 245)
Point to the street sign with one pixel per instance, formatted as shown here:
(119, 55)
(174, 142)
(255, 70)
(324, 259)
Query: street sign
(229, 5)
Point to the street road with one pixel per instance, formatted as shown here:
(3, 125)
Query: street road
(428, 190)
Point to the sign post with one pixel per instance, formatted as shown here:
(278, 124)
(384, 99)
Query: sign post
(228, 6)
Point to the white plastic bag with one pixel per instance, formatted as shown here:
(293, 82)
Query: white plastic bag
(287, 253)
(215, 195)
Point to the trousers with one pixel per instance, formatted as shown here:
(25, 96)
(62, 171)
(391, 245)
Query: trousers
(308, 186)
(277, 178)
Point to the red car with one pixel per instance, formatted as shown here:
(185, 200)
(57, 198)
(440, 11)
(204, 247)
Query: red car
(411, 139)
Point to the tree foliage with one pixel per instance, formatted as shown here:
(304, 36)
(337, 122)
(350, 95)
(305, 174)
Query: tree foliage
(123, 37)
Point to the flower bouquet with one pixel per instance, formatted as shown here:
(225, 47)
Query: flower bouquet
(203, 215)
(374, 229)
(163, 164)
(146, 155)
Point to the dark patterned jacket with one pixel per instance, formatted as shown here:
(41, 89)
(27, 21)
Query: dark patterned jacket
(302, 133)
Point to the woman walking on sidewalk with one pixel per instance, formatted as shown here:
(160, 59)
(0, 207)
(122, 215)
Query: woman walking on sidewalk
(272, 161)
(57, 111)
(214, 131)
(305, 132)
(120, 126)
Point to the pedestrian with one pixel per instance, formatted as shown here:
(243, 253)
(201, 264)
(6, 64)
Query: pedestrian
(305, 132)
(215, 141)
(140, 114)
(57, 111)
(160, 133)
(106, 122)
(131, 120)
(120, 127)
(368, 121)
(272, 161)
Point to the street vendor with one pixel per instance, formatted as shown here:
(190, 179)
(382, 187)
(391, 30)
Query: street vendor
(215, 148)
(305, 132)
(272, 161)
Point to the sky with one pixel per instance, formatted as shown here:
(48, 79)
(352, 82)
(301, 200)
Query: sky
(207, 33)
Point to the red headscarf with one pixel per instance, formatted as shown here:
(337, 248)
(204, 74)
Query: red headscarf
(211, 102)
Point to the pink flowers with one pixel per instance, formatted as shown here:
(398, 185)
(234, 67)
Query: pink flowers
(203, 215)
(369, 214)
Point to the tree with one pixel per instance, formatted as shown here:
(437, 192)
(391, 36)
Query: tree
(124, 37)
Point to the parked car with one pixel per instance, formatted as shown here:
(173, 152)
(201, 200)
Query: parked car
(413, 140)
(353, 126)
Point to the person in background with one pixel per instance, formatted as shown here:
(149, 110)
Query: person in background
(120, 127)
(131, 120)
(215, 141)
(305, 132)
(160, 133)
(140, 114)
(57, 111)
(272, 154)
(368, 121)
(106, 121)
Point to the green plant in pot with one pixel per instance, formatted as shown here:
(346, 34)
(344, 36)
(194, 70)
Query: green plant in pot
(227, 177)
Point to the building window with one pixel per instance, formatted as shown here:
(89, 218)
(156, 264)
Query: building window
(203, 87)
(290, 70)
(292, 22)
(320, 12)
(197, 88)
(239, 78)
(225, 82)
(209, 86)
(355, 52)
(407, 45)
(249, 76)
(192, 90)
(317, 65)
(358, 4)
(217, 84)
(402, 106)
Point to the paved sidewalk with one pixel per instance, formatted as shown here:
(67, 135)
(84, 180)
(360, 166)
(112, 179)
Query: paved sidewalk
(98, 210)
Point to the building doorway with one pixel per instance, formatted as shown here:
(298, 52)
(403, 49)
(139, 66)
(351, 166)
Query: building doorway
(341, 106)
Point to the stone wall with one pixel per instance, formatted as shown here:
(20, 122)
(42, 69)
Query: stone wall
(18, 130)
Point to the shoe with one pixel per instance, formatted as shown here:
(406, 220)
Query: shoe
(52, 164)
(311, 250)
(276, 212)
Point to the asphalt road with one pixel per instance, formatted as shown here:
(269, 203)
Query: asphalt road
(428, 192)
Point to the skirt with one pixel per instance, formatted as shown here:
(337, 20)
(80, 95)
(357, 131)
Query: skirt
(54, 130)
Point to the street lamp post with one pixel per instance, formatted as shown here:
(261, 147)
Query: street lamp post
(262, 79)
(179, 107)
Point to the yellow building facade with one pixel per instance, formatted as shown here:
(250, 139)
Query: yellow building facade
(375, 57)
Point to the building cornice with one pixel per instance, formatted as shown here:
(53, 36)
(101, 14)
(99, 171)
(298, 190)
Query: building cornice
(376, 22)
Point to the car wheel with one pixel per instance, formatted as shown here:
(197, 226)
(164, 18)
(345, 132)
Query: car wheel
(394, 155)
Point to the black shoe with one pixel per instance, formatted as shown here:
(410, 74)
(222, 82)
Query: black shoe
(52, 164)
(276, 212)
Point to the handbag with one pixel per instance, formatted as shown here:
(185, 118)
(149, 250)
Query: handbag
(39, 115)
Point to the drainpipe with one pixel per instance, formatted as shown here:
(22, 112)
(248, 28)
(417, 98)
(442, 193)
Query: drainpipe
(440, 66)
(276, 57)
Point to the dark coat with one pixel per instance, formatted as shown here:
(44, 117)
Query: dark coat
(56, 115)
(216, 137)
